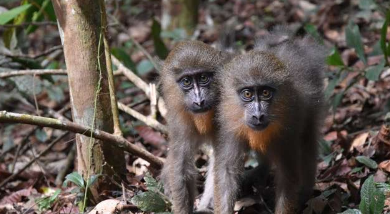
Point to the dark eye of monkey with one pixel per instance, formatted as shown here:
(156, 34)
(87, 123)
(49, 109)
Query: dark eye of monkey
(266, 94)
(246, 95)
(186, 82)
(204, 79)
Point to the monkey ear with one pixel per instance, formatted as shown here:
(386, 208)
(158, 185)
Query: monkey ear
(277, 36)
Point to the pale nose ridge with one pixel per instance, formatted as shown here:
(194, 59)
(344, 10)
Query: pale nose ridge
(199, 103)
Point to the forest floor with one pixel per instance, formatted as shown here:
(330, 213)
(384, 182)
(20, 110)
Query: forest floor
(358, 90)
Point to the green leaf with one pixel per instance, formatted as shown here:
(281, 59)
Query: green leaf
(152, 184)
(366, 4)
(356, 169)
(13, 13)
(159, 46)
(93, 179)
(351, 211)
(325, 147)
(41, 135)
(312, 30)
(337, 100)
(354, 40)
(45, 203)
(177, 34)
(56, 93)
(122, 56)
(75, 178)
(149, 202)
(334, 58)
(367, 162)
(373, 72)
(372, 198)
(144, 67)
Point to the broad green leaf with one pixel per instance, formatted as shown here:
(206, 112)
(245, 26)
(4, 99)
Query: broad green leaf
(152, 184)
(93, 179)
(159, 46)
(325, 147)
(56, 93)
(41, 135)
(367, 162)
(75, 178)
(149, 202)
(144, 67)
(366, 4)
(384, 44)
(13, 13)
(177, 34)
(337, 100)
(373, 72)
(312, 30)
(334, 58)
(372, 198)
(45, 203)
(383, 187)
(356, 169)
(122, 56)
(354, 40)
(352, 211)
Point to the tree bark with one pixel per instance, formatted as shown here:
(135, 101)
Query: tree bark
(180, 14)
(80, 24)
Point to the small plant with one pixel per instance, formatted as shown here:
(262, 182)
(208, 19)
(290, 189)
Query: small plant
(372, 198)
(46, 202)
(153, 200)
(81, 187)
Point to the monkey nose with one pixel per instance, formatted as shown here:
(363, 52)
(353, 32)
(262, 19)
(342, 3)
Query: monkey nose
(260, 119)
(199, 103)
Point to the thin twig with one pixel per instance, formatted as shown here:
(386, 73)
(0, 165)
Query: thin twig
(33, 160)
(37, 72)
(111, 84)
(84, 130)
(139, 83)
(147, 120)
(44, 53)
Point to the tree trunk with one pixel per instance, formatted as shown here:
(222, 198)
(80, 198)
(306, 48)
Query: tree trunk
(180, 14)
(82, 34)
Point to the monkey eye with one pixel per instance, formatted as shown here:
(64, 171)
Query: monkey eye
(266, 94)
(186, 82)
(204, 79)
(246, 95)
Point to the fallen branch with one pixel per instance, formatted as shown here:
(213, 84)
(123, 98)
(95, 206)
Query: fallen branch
(139, 83)
(6, 74)
(33, 160)
(84, 130)
(147, 120)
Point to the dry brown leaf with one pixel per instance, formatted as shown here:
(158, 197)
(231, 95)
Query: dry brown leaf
(385, 165)
(359, 141)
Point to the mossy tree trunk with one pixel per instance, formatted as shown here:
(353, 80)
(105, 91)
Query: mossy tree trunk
(82, 35)
(180, 14)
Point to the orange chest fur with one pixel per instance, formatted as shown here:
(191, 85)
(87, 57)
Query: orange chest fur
(204, 122)
(259, 140)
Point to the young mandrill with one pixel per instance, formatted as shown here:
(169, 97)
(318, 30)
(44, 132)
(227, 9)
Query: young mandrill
(191, 93)
(271, 102)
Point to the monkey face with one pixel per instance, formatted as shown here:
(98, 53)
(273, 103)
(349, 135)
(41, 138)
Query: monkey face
(199, 95)
(256, 102)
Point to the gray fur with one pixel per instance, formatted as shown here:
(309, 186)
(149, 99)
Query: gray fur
(179, 173)
(295, 68)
